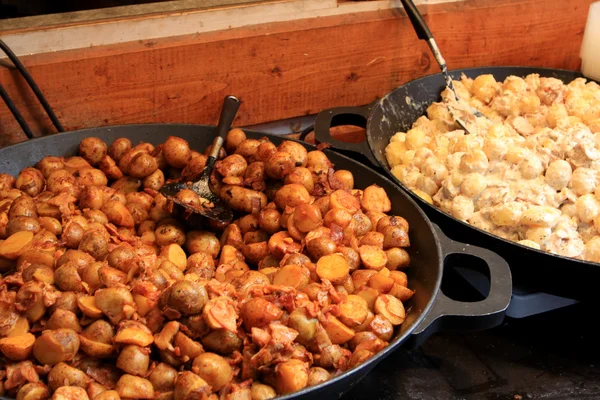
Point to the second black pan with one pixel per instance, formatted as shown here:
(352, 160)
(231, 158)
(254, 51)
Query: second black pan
(397, 111)
(430, 310)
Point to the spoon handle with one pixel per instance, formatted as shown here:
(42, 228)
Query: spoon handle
(231, 104)
(424, 33)
(417, 20)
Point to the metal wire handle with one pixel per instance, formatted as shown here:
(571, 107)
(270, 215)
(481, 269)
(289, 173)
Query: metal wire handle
(36, 90)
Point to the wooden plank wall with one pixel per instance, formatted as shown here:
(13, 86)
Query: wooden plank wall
(287, 69)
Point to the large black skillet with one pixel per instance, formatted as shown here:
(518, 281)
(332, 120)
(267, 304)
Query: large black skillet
(430, 310)
(533, 269)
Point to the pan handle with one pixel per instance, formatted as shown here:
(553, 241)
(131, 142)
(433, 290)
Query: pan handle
(451, 315)
(356, 116)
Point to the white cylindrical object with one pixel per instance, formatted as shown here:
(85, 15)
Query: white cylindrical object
(590, 46)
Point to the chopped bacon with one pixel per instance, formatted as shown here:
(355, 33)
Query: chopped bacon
(337, 233)
(281, 334)
(64, 202)
(106, 375)
(146, 289)
(334, 182)
(15, 279)
(260, 337)
(50, 295)
(221, 314)
(20, 373)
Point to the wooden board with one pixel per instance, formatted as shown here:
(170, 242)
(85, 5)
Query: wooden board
(287, 69)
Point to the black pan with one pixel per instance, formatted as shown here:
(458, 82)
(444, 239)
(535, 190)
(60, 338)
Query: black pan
(532, 269)
(430, 310)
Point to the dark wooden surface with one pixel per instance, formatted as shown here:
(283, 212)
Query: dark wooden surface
(289, 69)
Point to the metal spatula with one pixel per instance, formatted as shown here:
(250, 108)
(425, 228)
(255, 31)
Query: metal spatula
(211, 206)
(424, 33)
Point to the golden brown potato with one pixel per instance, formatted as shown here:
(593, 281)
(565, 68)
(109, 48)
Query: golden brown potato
(247, 149)
(317, 162)
(155, 180)
(233, 165)
(291, 376)
(95, 245)
(110, 168)
(291, 195)
(269, 220)
(22, 206)
(19, 224)
(188, 386)
(33, 391)
(134, 360)
(302, 176)
(126, 185)
(176, 151)
(92, 149)
(242, 199)
(142, 165)
(70, 393)
(118, 148)
(395, 236)
(65, 375)
(115, 271)
(66, 278)
(320, 247)
(345, 178)
(55, 346)
(214, 369)
(63, 319)
(265, 151)
(222, 341)
(115, 302)
(30, 181)
(48, 164)
(258, 391)
(129, 386)
(398, 258)
(279, 165)
(233, 139)
(185, 297)
(296, 150)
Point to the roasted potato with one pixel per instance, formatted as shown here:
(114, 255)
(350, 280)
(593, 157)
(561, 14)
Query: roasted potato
(112, 292)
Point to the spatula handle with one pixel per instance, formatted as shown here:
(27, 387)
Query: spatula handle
(417, 20)
(231, 104)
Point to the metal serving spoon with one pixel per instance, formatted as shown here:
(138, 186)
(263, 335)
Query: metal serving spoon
(212, 206)
(424, 33)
